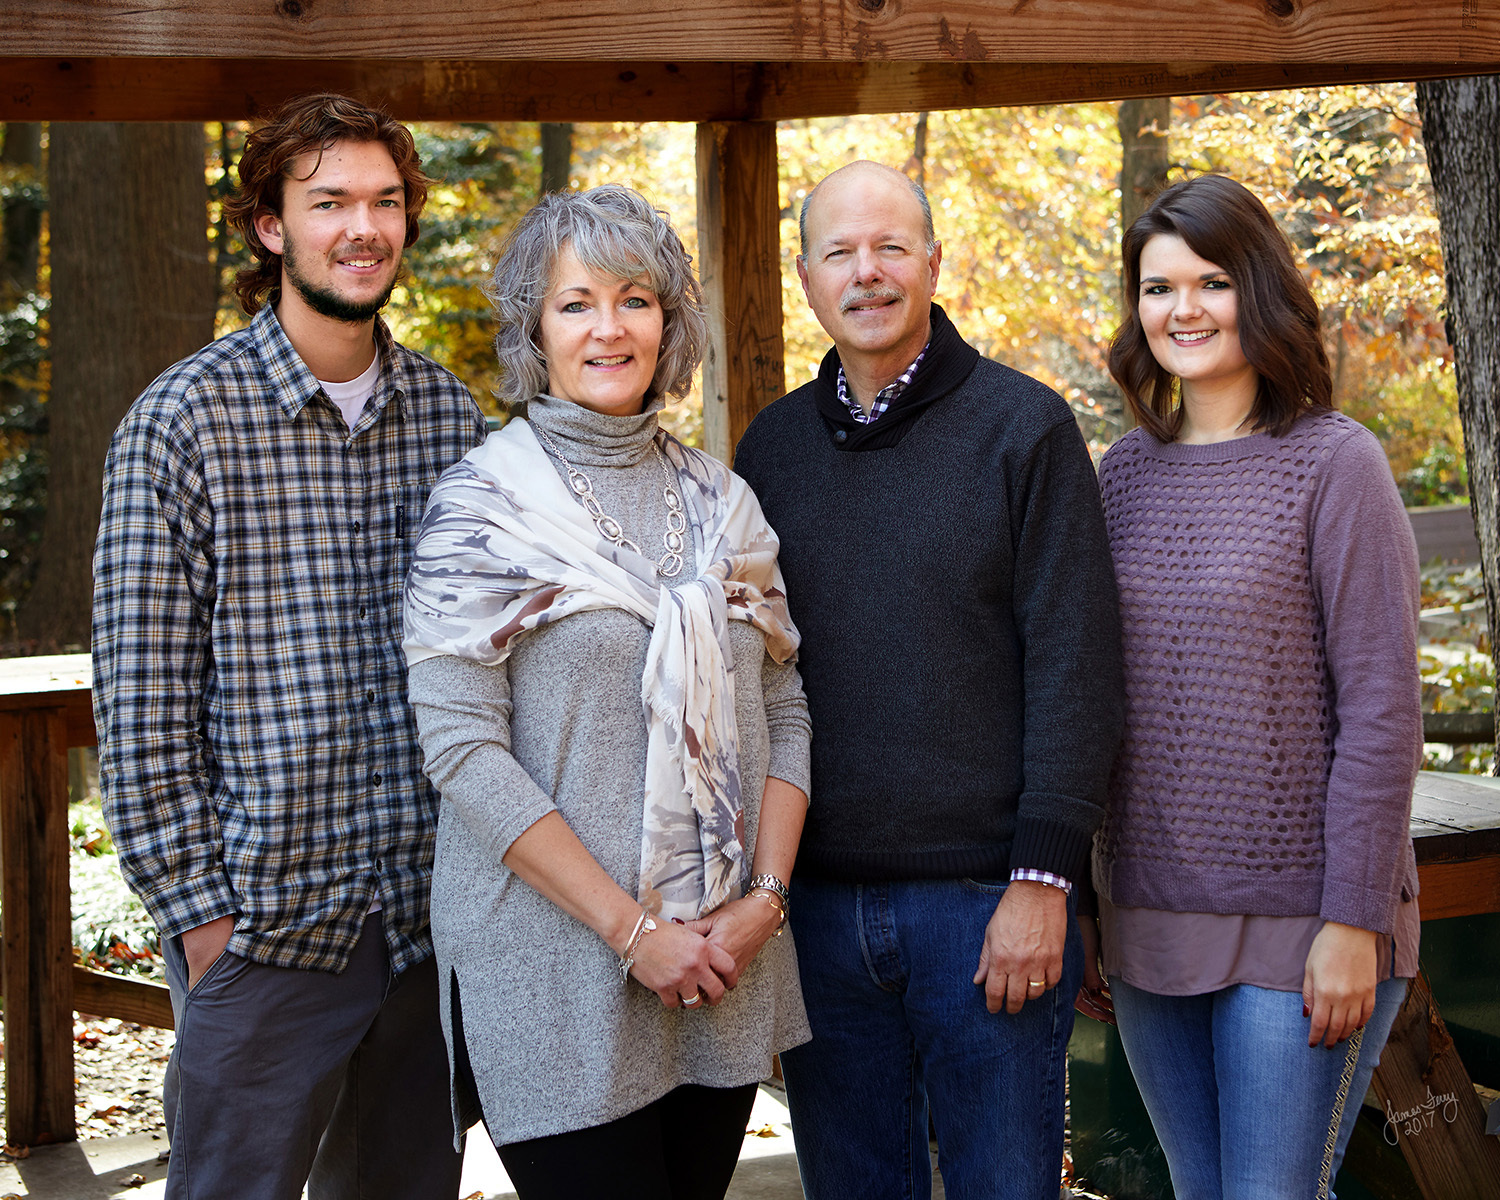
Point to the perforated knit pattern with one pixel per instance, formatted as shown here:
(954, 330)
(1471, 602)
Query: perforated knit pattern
(1224, 768)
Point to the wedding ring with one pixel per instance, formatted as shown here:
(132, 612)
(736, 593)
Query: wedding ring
(697, 997)
(1041, 983)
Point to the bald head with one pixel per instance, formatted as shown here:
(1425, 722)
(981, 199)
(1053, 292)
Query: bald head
(869, 268)
(850, 174)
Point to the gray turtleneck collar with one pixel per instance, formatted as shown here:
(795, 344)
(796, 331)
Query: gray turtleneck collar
(591, 439)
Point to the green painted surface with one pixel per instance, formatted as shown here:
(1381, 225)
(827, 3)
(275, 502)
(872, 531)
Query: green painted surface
(1462, 959)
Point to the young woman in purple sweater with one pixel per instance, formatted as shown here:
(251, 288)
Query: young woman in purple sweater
(1255, 874)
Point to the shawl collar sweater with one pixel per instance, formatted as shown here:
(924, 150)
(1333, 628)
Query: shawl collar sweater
(948, 362)
(950, 576)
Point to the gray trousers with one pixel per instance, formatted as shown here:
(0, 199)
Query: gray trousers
(281, 1078)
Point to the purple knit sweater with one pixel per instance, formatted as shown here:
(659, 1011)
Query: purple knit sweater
(1270, 598)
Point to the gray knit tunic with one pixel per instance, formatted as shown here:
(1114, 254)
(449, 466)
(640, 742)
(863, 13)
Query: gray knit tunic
(555, 1040)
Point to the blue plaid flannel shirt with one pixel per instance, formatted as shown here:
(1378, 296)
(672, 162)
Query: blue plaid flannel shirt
(257, 753)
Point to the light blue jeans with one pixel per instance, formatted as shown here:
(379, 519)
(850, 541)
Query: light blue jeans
(1242, 1105)
(900, 1028)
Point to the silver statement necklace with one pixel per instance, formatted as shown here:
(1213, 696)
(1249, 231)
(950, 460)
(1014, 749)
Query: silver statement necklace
(670, 563)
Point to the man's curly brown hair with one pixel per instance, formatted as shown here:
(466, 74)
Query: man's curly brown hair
(308, 124)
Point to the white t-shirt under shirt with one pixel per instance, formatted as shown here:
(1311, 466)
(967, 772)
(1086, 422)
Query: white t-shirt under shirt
(349, 398)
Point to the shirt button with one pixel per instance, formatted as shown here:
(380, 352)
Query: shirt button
(361, 610)
(370, 697)
(375, 779)
(356, 525)
(841, 436)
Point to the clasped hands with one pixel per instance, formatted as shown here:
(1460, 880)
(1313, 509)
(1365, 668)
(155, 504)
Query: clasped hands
(705, 957)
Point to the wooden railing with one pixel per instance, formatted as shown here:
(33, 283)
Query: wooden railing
(45, 709)
(1458, 729)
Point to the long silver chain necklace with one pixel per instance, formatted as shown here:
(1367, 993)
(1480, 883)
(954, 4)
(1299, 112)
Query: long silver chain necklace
(670, 563)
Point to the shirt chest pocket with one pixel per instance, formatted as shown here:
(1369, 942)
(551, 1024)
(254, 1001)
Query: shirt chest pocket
(395, 520)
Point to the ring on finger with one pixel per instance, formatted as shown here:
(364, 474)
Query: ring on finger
(1041, 983)
(696, 998)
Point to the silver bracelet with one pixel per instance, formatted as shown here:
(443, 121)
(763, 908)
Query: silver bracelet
(774, 901)
(772, 884)
(644, 924)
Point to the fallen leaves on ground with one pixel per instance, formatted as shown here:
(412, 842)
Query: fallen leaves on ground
(117, 1067)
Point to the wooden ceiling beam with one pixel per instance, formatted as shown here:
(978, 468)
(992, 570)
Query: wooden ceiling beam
(1459, 33)
(183, 89)
(147, 89)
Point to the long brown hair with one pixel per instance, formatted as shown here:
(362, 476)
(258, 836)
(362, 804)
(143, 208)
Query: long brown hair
(1223, 222)
(308, 124)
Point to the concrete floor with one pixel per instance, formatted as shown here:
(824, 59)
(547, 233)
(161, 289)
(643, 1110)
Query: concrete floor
(131, 1168)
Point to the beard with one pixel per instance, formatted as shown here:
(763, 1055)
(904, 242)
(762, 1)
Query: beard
(324, 300)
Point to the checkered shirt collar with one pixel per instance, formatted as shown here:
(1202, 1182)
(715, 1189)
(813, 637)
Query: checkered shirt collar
(887, 395)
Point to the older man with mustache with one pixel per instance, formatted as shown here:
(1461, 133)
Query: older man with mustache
(945, 559)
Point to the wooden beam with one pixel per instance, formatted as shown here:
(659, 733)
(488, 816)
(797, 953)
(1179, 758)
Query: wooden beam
(787, 91)
(1459, 889)
(198, 89)
(1431, 1109)
(183, 89)
(740, 266)
(36, 972)
(1455, 32)
(137, 1000)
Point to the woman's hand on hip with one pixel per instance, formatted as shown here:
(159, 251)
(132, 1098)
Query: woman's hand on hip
(678, 964)
(741, 927)
(1338, 984)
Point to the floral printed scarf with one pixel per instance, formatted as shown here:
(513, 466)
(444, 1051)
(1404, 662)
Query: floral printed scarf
(505, 547)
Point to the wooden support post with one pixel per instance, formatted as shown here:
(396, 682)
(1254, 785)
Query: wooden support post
(739, 263)
(37, 972)
(1431, 1110)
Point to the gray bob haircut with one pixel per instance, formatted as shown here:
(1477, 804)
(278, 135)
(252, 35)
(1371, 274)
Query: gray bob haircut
(615, 233)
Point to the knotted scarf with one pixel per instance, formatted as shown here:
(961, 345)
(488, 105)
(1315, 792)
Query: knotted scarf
(505, 547)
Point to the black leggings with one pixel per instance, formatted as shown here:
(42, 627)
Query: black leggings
(681, 1147)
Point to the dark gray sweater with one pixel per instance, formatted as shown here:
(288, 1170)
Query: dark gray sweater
(951, 579)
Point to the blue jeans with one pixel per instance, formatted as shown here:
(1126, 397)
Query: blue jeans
(897, 1026)
(1240, 1102)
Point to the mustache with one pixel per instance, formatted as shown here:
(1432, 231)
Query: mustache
(354, 250)
(865, 295)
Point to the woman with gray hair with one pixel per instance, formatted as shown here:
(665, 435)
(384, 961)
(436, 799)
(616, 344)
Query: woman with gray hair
(601, 664)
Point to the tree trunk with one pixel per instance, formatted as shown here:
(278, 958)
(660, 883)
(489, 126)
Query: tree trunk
(22, 389)
(557, 156)
(21, 222)
(1144, 126)
(1461, 130)
(132, 292)
(917, 167)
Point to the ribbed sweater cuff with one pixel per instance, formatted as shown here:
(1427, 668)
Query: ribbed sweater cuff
(1047, 846)
(1361, 907)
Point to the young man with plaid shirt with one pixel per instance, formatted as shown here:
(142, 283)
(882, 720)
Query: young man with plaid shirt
(258, 757)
